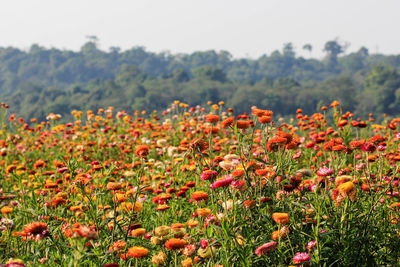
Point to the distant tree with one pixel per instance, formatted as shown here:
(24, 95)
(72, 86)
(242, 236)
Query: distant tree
(384, 82)
(363, 52)
(308, 47)
(288, 50)
(92, 38)
(209, 73)
(115, 49)
(130, 74)
(355, 61)
(333, 49)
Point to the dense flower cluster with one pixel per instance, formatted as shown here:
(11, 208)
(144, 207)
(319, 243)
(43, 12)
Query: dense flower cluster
(199, 187)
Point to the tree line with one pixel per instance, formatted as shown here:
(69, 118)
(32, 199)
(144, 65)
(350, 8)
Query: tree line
(40, 81)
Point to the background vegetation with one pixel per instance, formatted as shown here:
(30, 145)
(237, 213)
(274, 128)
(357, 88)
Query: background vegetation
(39, 81)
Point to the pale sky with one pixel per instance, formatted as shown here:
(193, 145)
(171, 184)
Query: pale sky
(244, 28)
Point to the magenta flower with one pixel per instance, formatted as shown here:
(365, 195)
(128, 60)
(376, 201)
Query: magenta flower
(264, 249)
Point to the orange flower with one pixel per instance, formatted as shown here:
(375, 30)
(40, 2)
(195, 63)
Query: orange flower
(280, 217)
(203, 212)
(282, 233)
(395, 205)
(138, 232)
(84, 231)
(345, 190)
(227, 122)
(10, 168)
(159, 258)
(128, 206)
(175, 243)
(342, 179)
(200, 195)
(113, 186)
(118, 246)
(198, 145)
(188, 262)
(142, 150)
(38, 164)
(36, 230)
(334, 104)
(249, 203)
(162, 207)
(177, 225)
(212, 118)
(238, 173)
(138, 252)
(243, 124)
(342, 123)
(257, 112)
(6, 210)
(287, 136)
(264, 119)
(356, 144)
(261, 112)
(192, 223)
(275, 142)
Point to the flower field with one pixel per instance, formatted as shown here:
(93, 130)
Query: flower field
(193, 186)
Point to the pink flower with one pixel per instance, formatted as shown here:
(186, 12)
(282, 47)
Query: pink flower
(311, 244)
(301, 257)
(360, 166)
(313, 187)
(212, 219)
(264, 249)
(189, 250)
(62, 170)
(223, 182)
(382, 147)
(297, 155)
(324, 171)
(238, 184)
